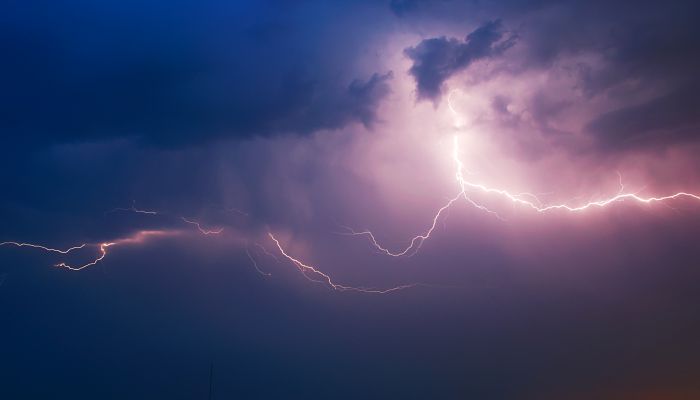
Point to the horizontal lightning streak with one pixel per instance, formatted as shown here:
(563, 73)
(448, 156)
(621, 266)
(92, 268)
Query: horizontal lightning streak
(536, 205)
(36, 246)
(416, 241)
(138, 237)
(519, 199)
(202, 230)
(466, 187)
(103, 254)
(134, 209)
(323, 277)
(199, 227)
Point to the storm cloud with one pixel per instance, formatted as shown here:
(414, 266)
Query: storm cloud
(664, 119)
(232, 71)
(308, 118)
(436, 60)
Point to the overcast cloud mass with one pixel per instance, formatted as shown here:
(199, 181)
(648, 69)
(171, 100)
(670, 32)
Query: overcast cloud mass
(123, 120)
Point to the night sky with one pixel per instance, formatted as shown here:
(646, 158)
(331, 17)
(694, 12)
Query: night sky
(420, 199)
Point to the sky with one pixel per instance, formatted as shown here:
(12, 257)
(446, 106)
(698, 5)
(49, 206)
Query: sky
(350, 199)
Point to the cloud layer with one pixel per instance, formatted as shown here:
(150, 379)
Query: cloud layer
(303, 117)
(436, 60)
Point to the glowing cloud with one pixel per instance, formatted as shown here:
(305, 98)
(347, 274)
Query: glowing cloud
(527, 200)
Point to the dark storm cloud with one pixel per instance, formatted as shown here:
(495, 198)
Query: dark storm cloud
(402, 7)
(671, 117)
(435, 60)
(641, 40)
(641, 50)
(657, 51)
(460, 10)
(173, 75)
(585, 305)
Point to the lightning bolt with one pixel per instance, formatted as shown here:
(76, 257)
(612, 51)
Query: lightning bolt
(103, 248)
(537, 204)
(137, 238)
(267, 253)
(466, 188)
(309, 272)
(197, 225)
(322, 277)
(255, 263)
(202, 230)
(527, 200)
(48, 249)
(103, 254)
(134, 209)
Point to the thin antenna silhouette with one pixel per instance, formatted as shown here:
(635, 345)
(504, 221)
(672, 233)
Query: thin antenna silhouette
(211, 380)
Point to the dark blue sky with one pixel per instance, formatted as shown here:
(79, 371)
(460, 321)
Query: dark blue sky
(303, 118)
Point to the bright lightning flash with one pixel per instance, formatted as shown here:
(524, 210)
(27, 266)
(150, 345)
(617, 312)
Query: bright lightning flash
(466, 187)
(527, 200)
